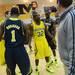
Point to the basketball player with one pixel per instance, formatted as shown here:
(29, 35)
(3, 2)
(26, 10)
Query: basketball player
(41, 46)
(14, 37)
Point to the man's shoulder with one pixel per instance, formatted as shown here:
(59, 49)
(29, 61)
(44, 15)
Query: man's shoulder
(70, 14)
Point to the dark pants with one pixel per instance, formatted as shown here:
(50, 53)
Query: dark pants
(51, 42)
(17, 55)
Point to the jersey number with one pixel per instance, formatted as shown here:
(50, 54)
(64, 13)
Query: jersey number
(40, 33)
(13, 36)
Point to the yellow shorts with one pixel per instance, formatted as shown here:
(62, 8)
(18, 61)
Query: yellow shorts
(42, 49)
(2, 52)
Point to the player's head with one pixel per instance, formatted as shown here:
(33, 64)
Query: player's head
(7, 14)
(15, 11)
(36, 16)
(53, 9)
(64, 3)
(47, 12)
(47, 15)
(34, 5)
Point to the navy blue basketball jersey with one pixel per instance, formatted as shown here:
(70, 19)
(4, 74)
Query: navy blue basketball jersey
(13, 33)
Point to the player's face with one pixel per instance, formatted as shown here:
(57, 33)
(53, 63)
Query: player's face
(47, 15)
(37, 17)
(34, 5)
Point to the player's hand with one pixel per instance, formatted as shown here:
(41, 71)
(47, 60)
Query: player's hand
(30, 46)
(36, 51)
(31, 52)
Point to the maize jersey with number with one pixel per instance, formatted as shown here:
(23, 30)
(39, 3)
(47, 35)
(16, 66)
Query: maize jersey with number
(13, 34)
(38, 31)
(40, 43)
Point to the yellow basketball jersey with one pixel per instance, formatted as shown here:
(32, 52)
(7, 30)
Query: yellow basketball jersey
(38, 31)
(53, 14)
(2, 48)
(40, 43)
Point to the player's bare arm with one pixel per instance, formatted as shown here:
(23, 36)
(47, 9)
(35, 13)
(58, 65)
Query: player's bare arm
(30, 28)
(1, 30)
(26, 33)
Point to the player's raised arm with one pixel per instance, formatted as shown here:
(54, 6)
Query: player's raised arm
(1, 30)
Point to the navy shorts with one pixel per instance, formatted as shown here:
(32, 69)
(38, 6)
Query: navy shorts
(17, 55)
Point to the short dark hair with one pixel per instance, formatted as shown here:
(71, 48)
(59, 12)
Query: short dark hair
(34, 13)
(15, 11)
(65, 3)
(7, 12)
(34, 2)
(53, 9)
